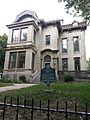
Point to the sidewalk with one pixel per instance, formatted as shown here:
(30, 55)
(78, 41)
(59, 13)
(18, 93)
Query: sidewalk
(14, 87)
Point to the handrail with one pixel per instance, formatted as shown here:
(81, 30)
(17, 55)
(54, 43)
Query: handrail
(34, 75)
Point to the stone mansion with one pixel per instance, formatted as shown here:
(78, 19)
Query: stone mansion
(34, 44)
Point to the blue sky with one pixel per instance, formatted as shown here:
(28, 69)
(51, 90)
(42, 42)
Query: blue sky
(45, 9)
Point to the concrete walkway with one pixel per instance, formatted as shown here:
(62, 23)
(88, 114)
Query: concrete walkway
(14, 87)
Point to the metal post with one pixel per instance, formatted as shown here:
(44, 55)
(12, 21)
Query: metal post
(17, 110)
(4, 107)
(66, 111)
(32, 109)
(48, 110)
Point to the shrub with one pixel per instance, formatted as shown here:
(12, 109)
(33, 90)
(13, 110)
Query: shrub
(6, 80)
(22, 78)
(68, 78)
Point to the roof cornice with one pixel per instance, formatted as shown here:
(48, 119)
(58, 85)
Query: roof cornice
(20, 24)
(81, 25)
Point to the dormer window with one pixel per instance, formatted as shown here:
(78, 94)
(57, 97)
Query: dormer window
(75, 23)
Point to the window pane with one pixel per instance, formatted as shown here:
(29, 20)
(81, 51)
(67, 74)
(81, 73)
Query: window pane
(34, 36)
(77, 64)
(64, 45)
(21, 59)
(47, 39)
(47, 58)
(15, 36)
(23, 34)
(12, 60)
(65, 64)
(76, 44)
(33, 61)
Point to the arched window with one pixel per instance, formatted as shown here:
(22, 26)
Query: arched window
(47, 60)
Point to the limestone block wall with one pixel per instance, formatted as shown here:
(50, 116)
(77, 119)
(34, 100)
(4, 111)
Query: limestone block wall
(30, 33)
(38, 46)
(50, 30)
(9, 36)
(6, 62)
(71, 54)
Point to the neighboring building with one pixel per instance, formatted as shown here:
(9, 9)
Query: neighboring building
(33, 44)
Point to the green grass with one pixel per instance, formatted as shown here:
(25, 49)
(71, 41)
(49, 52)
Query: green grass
(5, 84)
(71, 92)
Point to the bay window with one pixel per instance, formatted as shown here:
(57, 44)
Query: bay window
(19, 35)
(17, 60)
(16, 33)
(23, 34)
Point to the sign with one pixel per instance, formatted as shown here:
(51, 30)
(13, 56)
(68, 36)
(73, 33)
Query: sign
(48, 75)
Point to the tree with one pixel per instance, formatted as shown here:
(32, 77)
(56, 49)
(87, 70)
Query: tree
(3, 43)
(88, 62)
(78, 8)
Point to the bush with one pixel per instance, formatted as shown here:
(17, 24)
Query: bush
(68, 78)
(6, 80)
(23, 79)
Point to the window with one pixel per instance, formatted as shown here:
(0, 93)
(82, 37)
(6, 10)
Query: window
(47, 39)
(33, 61)
(64, 64)
(34, 36)
(19, 35)
(47, 61)
(21, 59)
(47, 58)
(17, 60)
(77, 63)
(23, 34)
(16, 35)
(64, 45)
(12, 60)
(76, 43)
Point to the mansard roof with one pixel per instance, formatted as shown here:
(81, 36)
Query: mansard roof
(26, 14)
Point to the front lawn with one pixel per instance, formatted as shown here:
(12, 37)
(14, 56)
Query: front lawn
(61, 92)
(71, 92)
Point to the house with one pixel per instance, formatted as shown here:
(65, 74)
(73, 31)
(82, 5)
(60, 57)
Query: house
(34, 44)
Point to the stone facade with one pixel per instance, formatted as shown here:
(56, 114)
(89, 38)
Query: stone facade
(43, 46)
